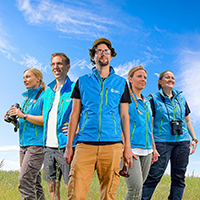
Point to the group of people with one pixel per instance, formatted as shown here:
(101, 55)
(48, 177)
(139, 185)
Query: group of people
(102, 122)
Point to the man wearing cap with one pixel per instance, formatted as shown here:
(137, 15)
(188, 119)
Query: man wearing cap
(100, 106)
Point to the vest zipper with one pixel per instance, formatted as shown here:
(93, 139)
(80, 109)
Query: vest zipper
(146, 119)
(133, 130)
(61, 107)
(84, 122)
(35, 130)
(161, 125)
(114, 123)
(106, 96)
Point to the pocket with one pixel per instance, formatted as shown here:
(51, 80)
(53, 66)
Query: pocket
(133, 129)
(114, 182)
(114, 123)
(84, 122)
(71, 183)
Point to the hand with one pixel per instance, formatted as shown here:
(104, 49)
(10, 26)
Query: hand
(68, 155)
(194, 145)
(16, 112)
(155, 156)
(65, 128)
(128, 154)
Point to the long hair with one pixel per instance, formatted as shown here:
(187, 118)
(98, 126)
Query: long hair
(161, 76)
(37, 74)
(130, 74)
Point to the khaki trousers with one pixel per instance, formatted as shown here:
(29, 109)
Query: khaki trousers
(31, 159)
(88, 158)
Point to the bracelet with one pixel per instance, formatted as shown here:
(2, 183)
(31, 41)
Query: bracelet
(195, 139)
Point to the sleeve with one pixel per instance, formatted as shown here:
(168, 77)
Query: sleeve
(76, 91)
(152, 106)
(126, 95)
(187, 109)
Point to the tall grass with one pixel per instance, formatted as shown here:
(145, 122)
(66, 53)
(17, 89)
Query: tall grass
(9, 188)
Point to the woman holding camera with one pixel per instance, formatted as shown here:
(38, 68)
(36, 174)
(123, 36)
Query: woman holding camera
(171, 129)
(140, 132)
(31, 135)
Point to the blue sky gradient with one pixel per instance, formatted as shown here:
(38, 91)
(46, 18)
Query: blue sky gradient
(159, 35)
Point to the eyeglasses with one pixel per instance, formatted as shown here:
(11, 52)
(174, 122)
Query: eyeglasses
(99, 51)
(59, 64)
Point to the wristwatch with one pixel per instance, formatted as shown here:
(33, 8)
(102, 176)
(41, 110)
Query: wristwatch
(25, 116)
(195, 139)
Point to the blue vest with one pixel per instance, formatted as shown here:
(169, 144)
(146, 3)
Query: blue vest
(100, 112)
(166, 110)
(31, 134)
(140, 124)
(64, 109)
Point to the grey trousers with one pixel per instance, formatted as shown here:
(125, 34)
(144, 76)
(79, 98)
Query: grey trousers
(31, 159)
(137, 176)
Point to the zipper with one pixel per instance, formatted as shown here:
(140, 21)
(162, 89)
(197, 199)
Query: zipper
(146, 119)
(84, 122)
(133, 130)
(61, 107)
(35, 130)
(114, 123)
(161, 125)
(23, 132)
(106, 96)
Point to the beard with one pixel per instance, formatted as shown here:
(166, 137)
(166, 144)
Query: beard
(105, 63)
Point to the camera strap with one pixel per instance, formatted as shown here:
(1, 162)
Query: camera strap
(163, 99)
(36, 98)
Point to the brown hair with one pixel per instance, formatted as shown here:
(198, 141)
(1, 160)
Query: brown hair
(130, 74)
(65, 59)
(93, 50)
(161, 76)
(37, 74)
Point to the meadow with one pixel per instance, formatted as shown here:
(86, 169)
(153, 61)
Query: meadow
(9, 190)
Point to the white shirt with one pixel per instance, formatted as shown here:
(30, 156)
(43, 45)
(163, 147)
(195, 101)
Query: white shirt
(52, 140)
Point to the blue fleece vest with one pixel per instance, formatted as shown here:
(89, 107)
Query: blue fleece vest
(64, 109)
(100, 113)
(140, 124)
(166, 110)
(29, 133)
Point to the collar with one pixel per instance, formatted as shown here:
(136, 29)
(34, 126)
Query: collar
(174, 92)
(66, 86)
(96, 72)
(31, 92)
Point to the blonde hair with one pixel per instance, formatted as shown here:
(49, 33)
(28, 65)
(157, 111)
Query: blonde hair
(130, 74)
(37, 74)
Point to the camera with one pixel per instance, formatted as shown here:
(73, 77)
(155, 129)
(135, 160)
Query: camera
(13, 119)
(124, 171)
(176, 126)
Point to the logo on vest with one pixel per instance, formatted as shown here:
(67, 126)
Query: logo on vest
(67, 100)
(115, 91)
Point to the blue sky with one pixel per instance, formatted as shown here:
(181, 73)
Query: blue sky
(159, 35)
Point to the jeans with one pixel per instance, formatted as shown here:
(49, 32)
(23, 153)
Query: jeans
(178, 154)
(137, 175)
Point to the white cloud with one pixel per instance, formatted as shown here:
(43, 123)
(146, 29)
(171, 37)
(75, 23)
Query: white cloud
(189, 62)
(32, 62)
(123, 70)
(9, 148)
(67, 18)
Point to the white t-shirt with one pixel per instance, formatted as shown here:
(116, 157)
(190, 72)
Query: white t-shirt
(141, 152)
(52, 140)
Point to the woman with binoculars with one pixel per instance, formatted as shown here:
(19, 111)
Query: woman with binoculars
(172, 129)
(31, 135)
(142, 144)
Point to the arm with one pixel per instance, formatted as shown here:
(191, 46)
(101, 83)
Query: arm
(38, 120)
(73, 123)
(192, 133)
(155, 153)
(126, 131)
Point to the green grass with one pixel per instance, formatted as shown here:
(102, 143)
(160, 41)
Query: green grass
(9, 188)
